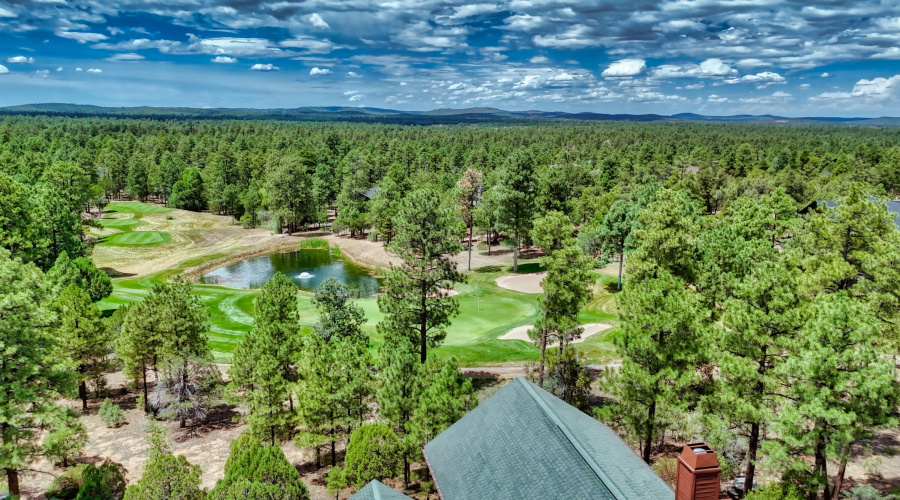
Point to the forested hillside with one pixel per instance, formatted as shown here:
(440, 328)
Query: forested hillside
(748, 318)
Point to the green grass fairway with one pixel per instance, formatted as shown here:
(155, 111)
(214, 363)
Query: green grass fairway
(136, 238)
(486, 312)
(135, 207)
(123, 225)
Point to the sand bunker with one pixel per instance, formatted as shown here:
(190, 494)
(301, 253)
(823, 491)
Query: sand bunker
(521, 332)
(525, 283)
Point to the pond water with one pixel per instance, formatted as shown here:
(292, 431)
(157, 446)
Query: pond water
(307, 268)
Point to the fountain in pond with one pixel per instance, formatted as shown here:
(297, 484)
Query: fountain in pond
(305, 275)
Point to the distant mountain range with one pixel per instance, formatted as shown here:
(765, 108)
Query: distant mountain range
(435, 116)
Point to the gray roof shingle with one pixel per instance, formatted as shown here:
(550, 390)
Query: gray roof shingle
(524, 443)
(375, 490)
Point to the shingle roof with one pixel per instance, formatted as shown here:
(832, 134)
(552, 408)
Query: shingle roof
(375, 490)
(524, 443)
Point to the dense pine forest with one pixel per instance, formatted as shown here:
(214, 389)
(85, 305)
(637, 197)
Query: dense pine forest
(749, 316)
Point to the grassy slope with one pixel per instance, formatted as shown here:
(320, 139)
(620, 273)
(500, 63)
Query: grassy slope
(486, 312)
(128, 237)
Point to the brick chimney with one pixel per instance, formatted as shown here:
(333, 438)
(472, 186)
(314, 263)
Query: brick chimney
(698, 473)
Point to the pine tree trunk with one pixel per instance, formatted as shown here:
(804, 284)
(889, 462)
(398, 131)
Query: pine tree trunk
(82, 394)
(839, 482)
(487, 236)
(469, 266)
(516, 254)
(751, 457)
(621, 265)
(423, 329)
(821, 468)
(12, 478)
(182, 423)
(543, 351)
(146, 401)
(648, 439)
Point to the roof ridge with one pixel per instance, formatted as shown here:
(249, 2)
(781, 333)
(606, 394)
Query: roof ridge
(375, 493)
(597, 470)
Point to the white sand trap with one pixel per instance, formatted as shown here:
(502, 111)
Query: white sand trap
(525, 283)
(521, 332)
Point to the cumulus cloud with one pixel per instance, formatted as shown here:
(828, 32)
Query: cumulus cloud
(59, 69)
(706, 69)
(224, 60)
(264, 67)
(539, 60)
(127, 57)
(20, 60)
(3, 70)
(94, 70)
(78, 70)
(575, 37)
(716, 99)
(319, 71)
(4, 12)
(355, 97)
(876, 89)
(353, 74)
(81, 37)
(625, 67)
(317, 21)
(472, 10)
(43, 72)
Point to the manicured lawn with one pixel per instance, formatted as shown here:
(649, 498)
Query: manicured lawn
(123, 225)
(135, 238)
(135, 207)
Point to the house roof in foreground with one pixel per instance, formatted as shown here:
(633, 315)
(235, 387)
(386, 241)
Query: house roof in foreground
(525, 443)
(375, 490)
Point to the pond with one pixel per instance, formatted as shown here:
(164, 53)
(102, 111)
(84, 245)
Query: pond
(307, 268)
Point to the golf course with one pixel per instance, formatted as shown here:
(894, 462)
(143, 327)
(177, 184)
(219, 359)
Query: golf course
(141, 244)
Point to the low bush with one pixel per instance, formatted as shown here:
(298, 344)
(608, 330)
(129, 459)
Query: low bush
(111, 414)
(373, 453)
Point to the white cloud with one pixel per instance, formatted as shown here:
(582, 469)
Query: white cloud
(804, 85)
(94, 70)
(695, 86)
(80, 36)
(319, 71)
(764, 77)
(680, 25)
(776, 97)
(129, 57)
(355, 97)
(4, 12)
(351, 92)
(20, 60)
(114, 31)
(224, 60)
(317, 21)
(3, 70)
(876, 89)
(310, 44)
(264, 67)
(522, 22)
(402, 84)
(625, 67)
(472, 10)
(708, 68)
(539, 60)
(78, 70)
(353, 74)
(825, 75)
(59, 68)
(716, 99)
(576, 37)
(43, 72)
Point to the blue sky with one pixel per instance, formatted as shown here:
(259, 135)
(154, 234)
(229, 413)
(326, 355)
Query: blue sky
(835, 58)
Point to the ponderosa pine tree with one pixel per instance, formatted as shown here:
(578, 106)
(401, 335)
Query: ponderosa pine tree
(169, 322)
(373, 453)
(166, 477)
(67, 437)
(446, 397)
(339, 318)
(398, 389)
(262, 369)
(290, 190)
(614, 231)
(33, 378)
(416, 301)
(568, 286)
(81, 272)
(664, 324)
(468, 190)
(188, 192)
(553, 232)
(187, 387)
(515, 192)
(255, 471)
(81, 336)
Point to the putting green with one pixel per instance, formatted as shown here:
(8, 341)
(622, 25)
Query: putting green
(135, 207)
(136, 238)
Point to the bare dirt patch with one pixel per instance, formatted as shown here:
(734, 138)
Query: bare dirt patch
(525, 283)
(521, 333)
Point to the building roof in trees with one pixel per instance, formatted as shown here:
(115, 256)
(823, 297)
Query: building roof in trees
(370, 193)
(525, 443)
(892, 206)
(375, 490)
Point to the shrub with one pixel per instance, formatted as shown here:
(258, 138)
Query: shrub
(868, 492)
(106, 482)
(66, 485)
(65, 441)
(317, 243)
(111, 414)
(336, 481)
(89, 482)
(776, 491)
(373, 453)
(255, 471)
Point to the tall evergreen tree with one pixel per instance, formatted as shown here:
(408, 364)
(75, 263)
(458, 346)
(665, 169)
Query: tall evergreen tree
(416, 300)
(515, 191)
(255, 471)
(339, 317)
